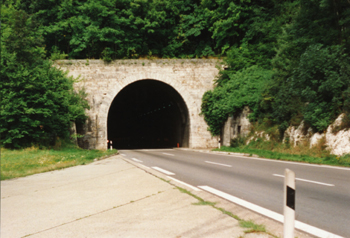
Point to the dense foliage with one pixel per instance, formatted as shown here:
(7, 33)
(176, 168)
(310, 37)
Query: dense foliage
(306, 45)
(287, 60)
(244, 88)
(38, 102)
(112, 29)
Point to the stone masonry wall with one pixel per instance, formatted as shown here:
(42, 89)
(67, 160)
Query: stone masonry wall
(103, 81)
(237, 125)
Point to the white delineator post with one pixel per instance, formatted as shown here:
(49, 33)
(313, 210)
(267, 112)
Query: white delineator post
(111, 147)
(289, 204)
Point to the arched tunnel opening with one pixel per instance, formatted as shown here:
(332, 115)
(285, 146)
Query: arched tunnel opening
(148, 114)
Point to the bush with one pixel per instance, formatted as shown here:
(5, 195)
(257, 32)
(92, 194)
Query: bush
(244, 88)
(237, 142)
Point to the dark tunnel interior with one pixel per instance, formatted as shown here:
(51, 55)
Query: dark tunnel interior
(148, 114)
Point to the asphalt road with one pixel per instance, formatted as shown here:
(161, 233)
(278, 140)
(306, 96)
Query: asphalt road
(322, 192)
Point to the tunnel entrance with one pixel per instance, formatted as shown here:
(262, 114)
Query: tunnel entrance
(148, 114)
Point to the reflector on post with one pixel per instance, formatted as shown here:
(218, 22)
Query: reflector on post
(289, 204)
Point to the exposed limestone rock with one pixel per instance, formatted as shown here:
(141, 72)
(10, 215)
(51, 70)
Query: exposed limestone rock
(315, 139)
(297, 135)
(338, 143)
(257, 135)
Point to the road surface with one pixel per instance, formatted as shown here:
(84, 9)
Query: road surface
(322, 192)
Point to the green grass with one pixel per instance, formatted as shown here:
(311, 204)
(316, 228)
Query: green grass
(298, 154)
(252, 227)
(24, 162)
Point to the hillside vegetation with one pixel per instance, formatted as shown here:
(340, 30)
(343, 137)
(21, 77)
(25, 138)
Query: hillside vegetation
(292, 64)
(287, 60)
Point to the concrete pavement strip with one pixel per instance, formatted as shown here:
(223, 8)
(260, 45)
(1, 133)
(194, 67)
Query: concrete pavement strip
(116, 197)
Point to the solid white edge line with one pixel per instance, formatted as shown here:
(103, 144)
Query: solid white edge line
(123, 154)
(282, 161)
(241, 202)
(226, 165)
(186, 184)
(274, 215)
(163, 171)
(137, 160)
(306, 180)
(168, 154)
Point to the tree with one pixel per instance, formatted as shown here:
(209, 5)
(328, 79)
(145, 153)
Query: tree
(38, 102)
(322, 77)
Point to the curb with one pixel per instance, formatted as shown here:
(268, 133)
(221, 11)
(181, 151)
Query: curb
(106, 156)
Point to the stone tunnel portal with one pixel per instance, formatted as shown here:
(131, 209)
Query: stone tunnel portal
(148, 114)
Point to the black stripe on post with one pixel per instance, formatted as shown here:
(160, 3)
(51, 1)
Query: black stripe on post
(291, 197)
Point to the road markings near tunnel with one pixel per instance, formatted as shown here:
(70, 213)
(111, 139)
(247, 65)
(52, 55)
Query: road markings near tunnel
(163, 171)
(226, 165)
(266, 212)
(186, 184)
(168, 154)
(137, 160)
(305, 180)
(228, 154)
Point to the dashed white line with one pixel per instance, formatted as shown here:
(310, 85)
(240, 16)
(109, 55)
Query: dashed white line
(137, 160)
(168, 154)
(283, 161)
(226, 165)
(163, 171)
(278, 217)
(186, 184)
(305, 180)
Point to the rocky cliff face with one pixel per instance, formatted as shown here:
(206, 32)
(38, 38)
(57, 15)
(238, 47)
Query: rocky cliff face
(337, 142)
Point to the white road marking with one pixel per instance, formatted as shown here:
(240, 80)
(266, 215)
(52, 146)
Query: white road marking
(305, 180)
(281, 161)
(168, 154)
(278, 217)
(186, 184)
(163, 171)
(137, 160)
(209, 162)
(123, 154)
(153, 150)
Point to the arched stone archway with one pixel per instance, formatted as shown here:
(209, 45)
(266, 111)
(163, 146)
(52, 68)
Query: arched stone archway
(148, 114)
(103, 82)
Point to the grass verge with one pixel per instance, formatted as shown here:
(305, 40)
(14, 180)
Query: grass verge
(276, 153)
(252, 227)
(24, 162)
